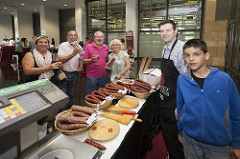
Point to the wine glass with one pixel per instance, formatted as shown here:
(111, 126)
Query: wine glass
(97, 59)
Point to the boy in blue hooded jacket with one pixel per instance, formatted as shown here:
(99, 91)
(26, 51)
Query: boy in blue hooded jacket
(208, 107)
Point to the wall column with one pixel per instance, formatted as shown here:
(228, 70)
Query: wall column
(80, 19)
(42, 20)
(132, 21)
(16, 27)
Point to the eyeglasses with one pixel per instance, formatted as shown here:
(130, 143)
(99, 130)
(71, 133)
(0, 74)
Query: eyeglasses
(115, 45)
(73, 35)
(98, 37)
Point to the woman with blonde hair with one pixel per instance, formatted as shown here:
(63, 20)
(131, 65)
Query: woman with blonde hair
(119, 61)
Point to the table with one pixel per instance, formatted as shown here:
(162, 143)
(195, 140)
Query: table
(132, 140)
(6, 54)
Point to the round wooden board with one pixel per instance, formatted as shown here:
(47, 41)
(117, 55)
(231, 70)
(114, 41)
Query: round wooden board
(128, 102)
(100, 130)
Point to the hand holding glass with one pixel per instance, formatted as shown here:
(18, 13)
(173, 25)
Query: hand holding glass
(95, 58)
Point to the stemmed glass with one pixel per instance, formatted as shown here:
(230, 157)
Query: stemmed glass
(97, 59)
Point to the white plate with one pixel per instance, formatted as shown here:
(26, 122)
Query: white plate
(127, 81)
(58, 153)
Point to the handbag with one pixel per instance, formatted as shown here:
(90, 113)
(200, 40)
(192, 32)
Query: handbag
(62, 78)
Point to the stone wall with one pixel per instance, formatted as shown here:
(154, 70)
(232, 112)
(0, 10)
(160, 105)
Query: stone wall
(215, 35)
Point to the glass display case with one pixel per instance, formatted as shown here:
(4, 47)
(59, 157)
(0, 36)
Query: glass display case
(108, 16)
(151, 12)
(96, 20)
(186, 14)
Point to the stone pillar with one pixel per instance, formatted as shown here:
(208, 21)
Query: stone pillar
(215, 35)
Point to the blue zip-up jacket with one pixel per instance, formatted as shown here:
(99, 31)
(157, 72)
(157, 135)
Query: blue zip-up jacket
(210, 115)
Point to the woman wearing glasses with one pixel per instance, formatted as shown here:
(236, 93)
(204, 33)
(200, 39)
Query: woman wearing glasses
(118, 61)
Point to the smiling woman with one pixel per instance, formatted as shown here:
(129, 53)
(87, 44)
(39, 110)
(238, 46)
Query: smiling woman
(39, 63)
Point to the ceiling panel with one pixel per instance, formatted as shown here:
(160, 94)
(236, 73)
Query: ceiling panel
(8, 6)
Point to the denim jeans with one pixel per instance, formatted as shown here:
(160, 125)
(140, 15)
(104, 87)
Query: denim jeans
(95, 83)
(194, 149)
(69, 87)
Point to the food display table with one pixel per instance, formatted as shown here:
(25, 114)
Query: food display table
(6, 54)
(132, 140)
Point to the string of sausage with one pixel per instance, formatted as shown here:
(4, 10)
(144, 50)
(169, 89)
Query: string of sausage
(104, 91)
(99, 95)
(113, 88)
(138, 89)
(123, 84)
(77, 118)
(141, 86)
(92, 99)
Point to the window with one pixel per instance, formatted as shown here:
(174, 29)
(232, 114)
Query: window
(186, 14)
(109, 16)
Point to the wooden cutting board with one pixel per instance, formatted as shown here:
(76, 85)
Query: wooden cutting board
(124, 119)
(104, 130)
(128, 102)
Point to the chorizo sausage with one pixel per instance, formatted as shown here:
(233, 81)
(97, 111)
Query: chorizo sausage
(83, 109)
(72, 120)
(79, 114)
(92, 99)
(138, 89)
(104, 91)
(65, 126)
(95, 144)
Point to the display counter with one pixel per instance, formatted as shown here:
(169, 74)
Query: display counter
(115, 143)
(133, 139)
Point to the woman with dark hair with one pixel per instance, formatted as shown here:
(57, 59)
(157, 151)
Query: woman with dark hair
(19, 49)
(39, 63)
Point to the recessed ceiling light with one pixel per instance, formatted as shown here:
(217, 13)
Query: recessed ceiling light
(22, 4)
(44, 0)
(65, 5)
(5, 8)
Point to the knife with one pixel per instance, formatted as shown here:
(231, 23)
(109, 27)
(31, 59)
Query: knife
(121, 112)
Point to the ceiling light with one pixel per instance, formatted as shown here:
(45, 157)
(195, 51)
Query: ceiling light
(22, 4)
(65, 5)
(44, 0)
(5, 8)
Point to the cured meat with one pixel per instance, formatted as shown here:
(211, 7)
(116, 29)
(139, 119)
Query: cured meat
(95, 144)
(83, 109)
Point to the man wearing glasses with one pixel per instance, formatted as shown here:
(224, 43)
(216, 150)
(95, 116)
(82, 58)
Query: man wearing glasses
(95, 57)
(70, 54)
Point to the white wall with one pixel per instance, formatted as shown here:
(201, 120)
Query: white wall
(25, 24)
(6, 26)
(52, 24)
(132, 21)
(81, 19)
